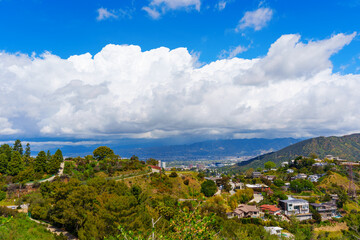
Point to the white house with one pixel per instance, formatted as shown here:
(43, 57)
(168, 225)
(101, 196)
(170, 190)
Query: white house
(297, 207)
(274, 230)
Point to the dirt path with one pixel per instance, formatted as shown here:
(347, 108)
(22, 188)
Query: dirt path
(56, 230)
(60, 172)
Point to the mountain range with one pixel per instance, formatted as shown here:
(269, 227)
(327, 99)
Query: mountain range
(345, 147)
(211, 150)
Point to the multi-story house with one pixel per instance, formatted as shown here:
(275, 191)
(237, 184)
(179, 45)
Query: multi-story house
(297, 207)
(327, 210)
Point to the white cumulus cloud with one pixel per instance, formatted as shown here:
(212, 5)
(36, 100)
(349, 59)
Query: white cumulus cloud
(126, 92)
(255, 19)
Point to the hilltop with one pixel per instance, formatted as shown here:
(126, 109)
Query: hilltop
(345, 147)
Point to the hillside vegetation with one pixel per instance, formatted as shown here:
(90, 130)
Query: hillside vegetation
(14, 226)
(335, 178)
(345, 147)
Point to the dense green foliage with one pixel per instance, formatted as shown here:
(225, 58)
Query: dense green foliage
(15, 226)
(16, 167)
(101, 152)
(269, 165)
(110, 166)
(208, 188)
(300, 185)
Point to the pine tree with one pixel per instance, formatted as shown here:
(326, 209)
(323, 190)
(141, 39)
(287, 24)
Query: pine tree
(5, 148)
(18, 147)
(40, 162)
(3, 163)
(55, 161)
(27, 150)
(58, 156)
(48, 155)
(15, 165)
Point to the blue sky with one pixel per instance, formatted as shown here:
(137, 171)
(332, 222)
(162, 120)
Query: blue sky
(66, 27)
(178, 69)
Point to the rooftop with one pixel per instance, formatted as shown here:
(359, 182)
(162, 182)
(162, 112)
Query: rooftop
(271, 208)
(294, 200)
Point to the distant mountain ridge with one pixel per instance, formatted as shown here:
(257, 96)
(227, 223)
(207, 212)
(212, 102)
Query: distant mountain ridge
(212, 149)
(346, 147)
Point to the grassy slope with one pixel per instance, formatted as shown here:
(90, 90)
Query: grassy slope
(21, 228)
(178, 189)
(337, 179)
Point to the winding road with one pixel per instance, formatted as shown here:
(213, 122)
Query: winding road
(60, 172)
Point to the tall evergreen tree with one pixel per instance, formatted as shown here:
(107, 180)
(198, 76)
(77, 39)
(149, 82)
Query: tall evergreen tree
(27, 150)
(15, 165)
(18, 147)
(5, 148)
(58, 156)
(55, 161)
(48, 155)
(3, 163)
(40, 162)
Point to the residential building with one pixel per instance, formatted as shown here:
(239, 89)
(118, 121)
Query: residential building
(286, 187)
(274, 230)
(313, 178)
(334, 197)
(269, 177)
(163, 165)
(297, 207)
(290, 170)
(270, 209)
(239, 185)
(155, 169)
(256, 174)
(320, 164)
(258, 187)
(245, 211)
(327, 210)
(299, 176)
(284, 164)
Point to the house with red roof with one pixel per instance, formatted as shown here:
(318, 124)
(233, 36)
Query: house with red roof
(270, 209)
(155, 169)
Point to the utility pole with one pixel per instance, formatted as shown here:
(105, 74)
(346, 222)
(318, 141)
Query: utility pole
(153, 227)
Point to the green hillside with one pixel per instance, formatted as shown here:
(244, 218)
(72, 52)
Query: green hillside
(345, 147)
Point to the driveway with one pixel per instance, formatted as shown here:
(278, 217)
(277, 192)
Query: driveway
(257, 198)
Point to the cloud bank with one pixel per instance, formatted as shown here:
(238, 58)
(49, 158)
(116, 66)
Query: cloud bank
(125, 92)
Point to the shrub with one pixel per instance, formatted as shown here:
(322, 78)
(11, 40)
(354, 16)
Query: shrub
(2, 195)
(173, 174)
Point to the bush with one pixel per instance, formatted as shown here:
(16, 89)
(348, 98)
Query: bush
(208, 188)
(173, 174)
(7, 212)
(2, 195)
(186, 182)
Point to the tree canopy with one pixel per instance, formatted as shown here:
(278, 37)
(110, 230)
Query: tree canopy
(208, 188)
(101, 152)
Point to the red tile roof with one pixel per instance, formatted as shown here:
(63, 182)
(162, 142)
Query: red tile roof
(270, 208)
(155, 167)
